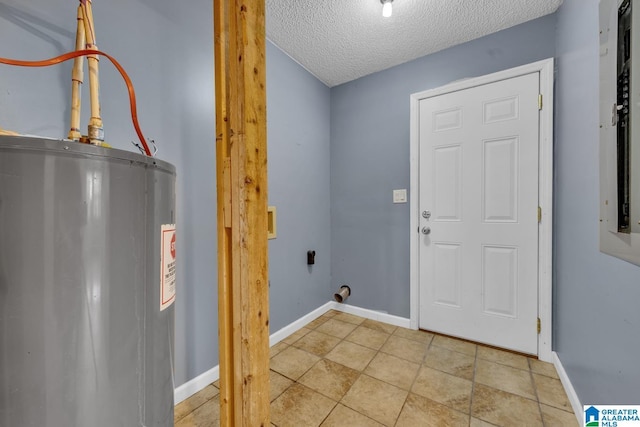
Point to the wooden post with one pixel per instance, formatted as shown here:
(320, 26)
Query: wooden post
(241, 163)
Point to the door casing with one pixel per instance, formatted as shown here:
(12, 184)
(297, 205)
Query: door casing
(545, 191)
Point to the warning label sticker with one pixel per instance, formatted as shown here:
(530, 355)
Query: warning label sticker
(167, 265)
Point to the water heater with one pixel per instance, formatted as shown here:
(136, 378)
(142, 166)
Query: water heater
(87, 282)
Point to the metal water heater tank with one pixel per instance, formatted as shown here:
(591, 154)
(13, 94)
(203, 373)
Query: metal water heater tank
(87, 281)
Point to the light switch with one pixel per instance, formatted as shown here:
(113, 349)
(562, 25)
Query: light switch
(400, 196)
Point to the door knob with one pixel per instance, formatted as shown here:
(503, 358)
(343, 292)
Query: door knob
(426, 230)
(426, 214)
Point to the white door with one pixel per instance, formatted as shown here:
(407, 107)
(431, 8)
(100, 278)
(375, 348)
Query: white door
(478, 268)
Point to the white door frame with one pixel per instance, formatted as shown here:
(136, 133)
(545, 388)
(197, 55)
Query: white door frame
(545, 191)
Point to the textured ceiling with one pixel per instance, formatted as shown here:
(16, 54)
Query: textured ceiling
(342, 40)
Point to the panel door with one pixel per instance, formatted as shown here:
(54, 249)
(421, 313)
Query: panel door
(479, 204)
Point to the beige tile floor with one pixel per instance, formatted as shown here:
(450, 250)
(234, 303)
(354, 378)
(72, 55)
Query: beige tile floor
(343, 370)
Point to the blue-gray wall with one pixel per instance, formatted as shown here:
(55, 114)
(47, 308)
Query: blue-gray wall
(168, 51)
(597, 297)
(298, 134)
(370, 157)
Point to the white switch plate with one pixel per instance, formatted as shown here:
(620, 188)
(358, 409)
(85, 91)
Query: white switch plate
(400, 196)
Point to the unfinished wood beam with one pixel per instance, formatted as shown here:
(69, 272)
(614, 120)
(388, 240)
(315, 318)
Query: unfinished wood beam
(241, 165)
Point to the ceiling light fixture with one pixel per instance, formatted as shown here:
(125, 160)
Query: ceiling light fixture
(387, 9)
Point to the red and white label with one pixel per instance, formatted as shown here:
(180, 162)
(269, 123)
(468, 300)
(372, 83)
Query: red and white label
(167, 265)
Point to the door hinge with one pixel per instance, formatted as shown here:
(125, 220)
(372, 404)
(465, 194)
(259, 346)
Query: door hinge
(539, 326)
(539, 214)
(539, 101)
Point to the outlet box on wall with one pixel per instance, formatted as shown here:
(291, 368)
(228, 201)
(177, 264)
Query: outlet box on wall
(400, 196)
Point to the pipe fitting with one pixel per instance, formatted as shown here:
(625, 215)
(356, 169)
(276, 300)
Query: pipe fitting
(342, 295)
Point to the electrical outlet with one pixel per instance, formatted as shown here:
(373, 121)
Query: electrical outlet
(400, 196)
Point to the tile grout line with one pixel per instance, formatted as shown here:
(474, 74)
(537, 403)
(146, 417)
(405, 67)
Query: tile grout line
(197, 407)
(329, 413)
(321, 359)
(535, 390)
(410, 387)
(342, 339)
(473, 384)
(361, 372)
(429, 345)
(415, 378)
(295, 381)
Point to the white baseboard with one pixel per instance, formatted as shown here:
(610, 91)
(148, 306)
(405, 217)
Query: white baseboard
(372, 314)
(193, 386)
(283, 333)
(568, 388)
